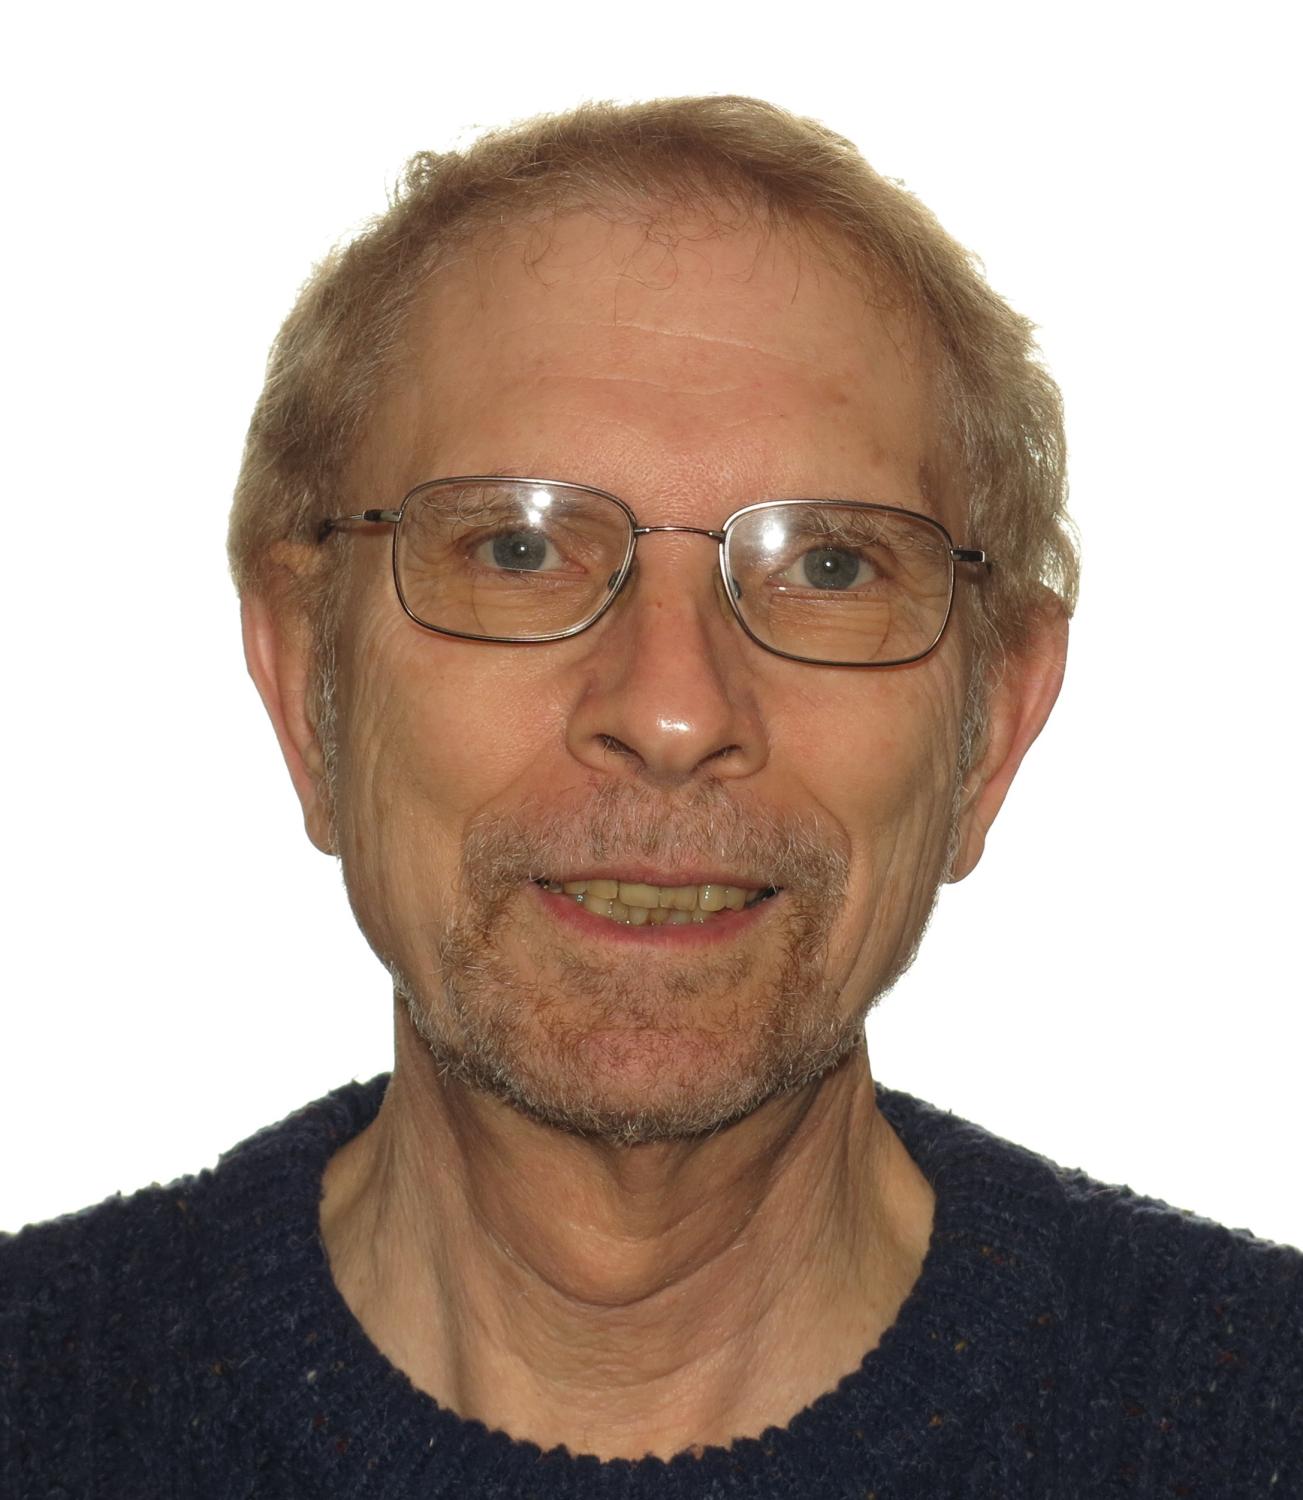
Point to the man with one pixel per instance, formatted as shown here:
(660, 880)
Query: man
(654, 566)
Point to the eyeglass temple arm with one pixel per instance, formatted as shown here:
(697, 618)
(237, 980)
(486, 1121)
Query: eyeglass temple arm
(333, 523)
(971, 555)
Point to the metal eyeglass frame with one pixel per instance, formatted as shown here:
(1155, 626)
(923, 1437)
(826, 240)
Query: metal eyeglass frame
(394, 517)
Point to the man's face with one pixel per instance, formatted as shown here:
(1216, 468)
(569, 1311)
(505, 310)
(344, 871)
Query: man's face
(661, 746)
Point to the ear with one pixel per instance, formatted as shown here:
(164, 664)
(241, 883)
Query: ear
(278, 650)
(1019, 703)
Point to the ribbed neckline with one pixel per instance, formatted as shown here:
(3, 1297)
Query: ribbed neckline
(335, 1408)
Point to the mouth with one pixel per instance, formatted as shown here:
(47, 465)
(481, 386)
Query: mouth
(637, 904)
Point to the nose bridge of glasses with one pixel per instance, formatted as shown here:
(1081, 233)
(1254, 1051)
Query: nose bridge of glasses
(640, 531)
(715, 536)
(718, 537)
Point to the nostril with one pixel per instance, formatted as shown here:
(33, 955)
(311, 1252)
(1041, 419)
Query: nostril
(616, 747)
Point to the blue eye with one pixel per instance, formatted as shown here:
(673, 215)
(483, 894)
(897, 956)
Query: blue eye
(832, 568)
(521, 551)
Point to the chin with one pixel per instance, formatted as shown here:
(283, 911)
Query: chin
(637, 1086)
(628, 1084)
(612, 1047)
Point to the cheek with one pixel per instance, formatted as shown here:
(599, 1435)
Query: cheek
(875, 752)
(877, 758)
(432, 731)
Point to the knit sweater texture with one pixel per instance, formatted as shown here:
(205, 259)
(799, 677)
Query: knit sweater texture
(1064, 1339)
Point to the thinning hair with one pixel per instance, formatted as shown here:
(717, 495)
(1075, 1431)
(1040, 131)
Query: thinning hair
(997, 444)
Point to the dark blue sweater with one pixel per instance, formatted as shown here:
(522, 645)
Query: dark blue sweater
(1064, 1339)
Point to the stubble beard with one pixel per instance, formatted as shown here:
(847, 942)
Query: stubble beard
(712, 1035)
(479, 1036)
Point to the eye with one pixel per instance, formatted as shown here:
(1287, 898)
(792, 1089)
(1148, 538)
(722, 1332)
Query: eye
(829, 568)
(521, 551)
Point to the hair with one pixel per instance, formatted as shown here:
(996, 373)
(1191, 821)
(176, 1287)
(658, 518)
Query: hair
(998, 442)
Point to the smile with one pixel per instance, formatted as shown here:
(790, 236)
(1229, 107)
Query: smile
(636, 904)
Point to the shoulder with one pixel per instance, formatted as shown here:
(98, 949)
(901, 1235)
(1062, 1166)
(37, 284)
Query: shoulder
(132, 1249)
(93, 1307)
(126, 1318)
(1110, 1238)
(1171, 1270)
(55, 1273)
(1211, 1302)
(1190, 1335)
(1178, 1340)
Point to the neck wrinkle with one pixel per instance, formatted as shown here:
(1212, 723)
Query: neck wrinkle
(695, 1273)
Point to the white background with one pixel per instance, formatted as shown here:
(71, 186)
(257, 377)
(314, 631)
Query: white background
(1116, 986)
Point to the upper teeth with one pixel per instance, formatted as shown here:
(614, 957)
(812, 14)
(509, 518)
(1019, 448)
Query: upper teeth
(633, 901)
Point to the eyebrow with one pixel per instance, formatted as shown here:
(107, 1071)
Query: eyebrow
(866, 527)
(906, 501)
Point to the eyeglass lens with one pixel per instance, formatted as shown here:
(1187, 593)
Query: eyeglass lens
(526, 560)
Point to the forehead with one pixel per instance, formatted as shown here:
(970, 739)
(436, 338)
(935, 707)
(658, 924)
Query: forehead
(658, 361)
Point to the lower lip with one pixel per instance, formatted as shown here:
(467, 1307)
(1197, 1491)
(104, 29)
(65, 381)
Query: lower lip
(715, 929)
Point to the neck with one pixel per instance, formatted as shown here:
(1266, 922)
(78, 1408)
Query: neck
(624, 1300)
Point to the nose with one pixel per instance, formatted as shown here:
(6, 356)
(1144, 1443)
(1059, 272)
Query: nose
(668, 693)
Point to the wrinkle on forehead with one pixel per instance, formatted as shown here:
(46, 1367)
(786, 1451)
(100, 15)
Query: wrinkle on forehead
(745, 352)
(700, 260)
(689, 335)
(676, 388)
(680, 362)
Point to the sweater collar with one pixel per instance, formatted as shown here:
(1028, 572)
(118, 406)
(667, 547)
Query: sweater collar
(326, 1402)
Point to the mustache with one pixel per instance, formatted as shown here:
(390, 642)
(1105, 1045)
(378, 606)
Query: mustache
(617, 821)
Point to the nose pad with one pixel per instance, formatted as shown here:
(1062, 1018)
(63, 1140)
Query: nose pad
(727, 588)
(629, 577)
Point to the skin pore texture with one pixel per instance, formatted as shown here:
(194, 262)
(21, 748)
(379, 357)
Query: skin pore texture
(628, 1190)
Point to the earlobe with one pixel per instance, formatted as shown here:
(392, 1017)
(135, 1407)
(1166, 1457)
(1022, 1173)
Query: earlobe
(278, 651)
(1018, 705)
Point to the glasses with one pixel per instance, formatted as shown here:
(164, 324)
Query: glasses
(831, 582)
